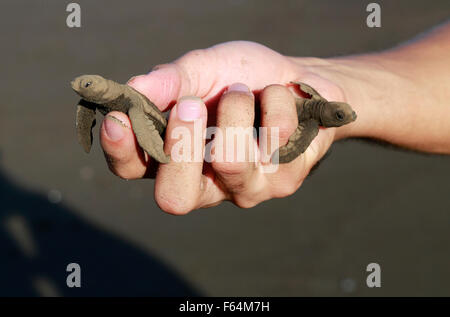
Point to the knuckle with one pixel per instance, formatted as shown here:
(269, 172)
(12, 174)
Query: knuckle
(188, 65)
(287, 189)
(194, 57)
(245, 203)
(123, 173)
(229, 168)
(173, 204)
(126, 175)
(195, 53)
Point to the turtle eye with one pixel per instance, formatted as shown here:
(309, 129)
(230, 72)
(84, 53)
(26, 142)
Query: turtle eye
(340, 115)
(86, 85)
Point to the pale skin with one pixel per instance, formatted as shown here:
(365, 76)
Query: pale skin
(401, 96)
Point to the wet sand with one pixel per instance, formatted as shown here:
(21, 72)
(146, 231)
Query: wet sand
(364, 204)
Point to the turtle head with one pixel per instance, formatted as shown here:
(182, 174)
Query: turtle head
(93, 88)
(336, 114)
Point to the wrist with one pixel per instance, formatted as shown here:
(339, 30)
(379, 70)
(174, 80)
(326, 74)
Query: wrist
(366, 82)
(400, 95)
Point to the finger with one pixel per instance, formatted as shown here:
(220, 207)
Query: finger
(205, 72)
(235, 157)
(162, 86)
(278, 110)
(180, 186)
(193, 74)
(124, 156)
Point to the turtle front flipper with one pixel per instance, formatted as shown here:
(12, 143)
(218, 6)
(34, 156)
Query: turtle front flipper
(308, 89)
(84, 123)
(298, 142)
(147, 135)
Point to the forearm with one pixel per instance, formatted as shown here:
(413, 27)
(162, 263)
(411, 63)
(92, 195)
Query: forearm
(401, 95)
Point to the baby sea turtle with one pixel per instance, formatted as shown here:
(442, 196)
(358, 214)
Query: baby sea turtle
(148, 122)
(312, 113)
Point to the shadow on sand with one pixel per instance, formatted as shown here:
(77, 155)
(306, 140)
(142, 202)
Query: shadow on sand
(38, 239)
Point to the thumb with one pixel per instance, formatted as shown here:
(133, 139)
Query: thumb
(162, 85)
(193, 74)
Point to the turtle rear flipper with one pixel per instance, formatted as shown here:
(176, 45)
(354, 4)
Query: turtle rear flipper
(298, 142)
(84, 123)
(147, 135)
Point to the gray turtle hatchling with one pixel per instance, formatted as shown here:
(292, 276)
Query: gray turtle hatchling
(312, 113)
(148, 122)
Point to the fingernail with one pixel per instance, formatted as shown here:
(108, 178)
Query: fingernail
(189, 109)
(114, 128)
(239, 87)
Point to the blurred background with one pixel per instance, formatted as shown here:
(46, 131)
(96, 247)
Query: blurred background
(364, 204)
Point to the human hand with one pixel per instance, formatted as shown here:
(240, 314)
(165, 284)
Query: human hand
(183, 186)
